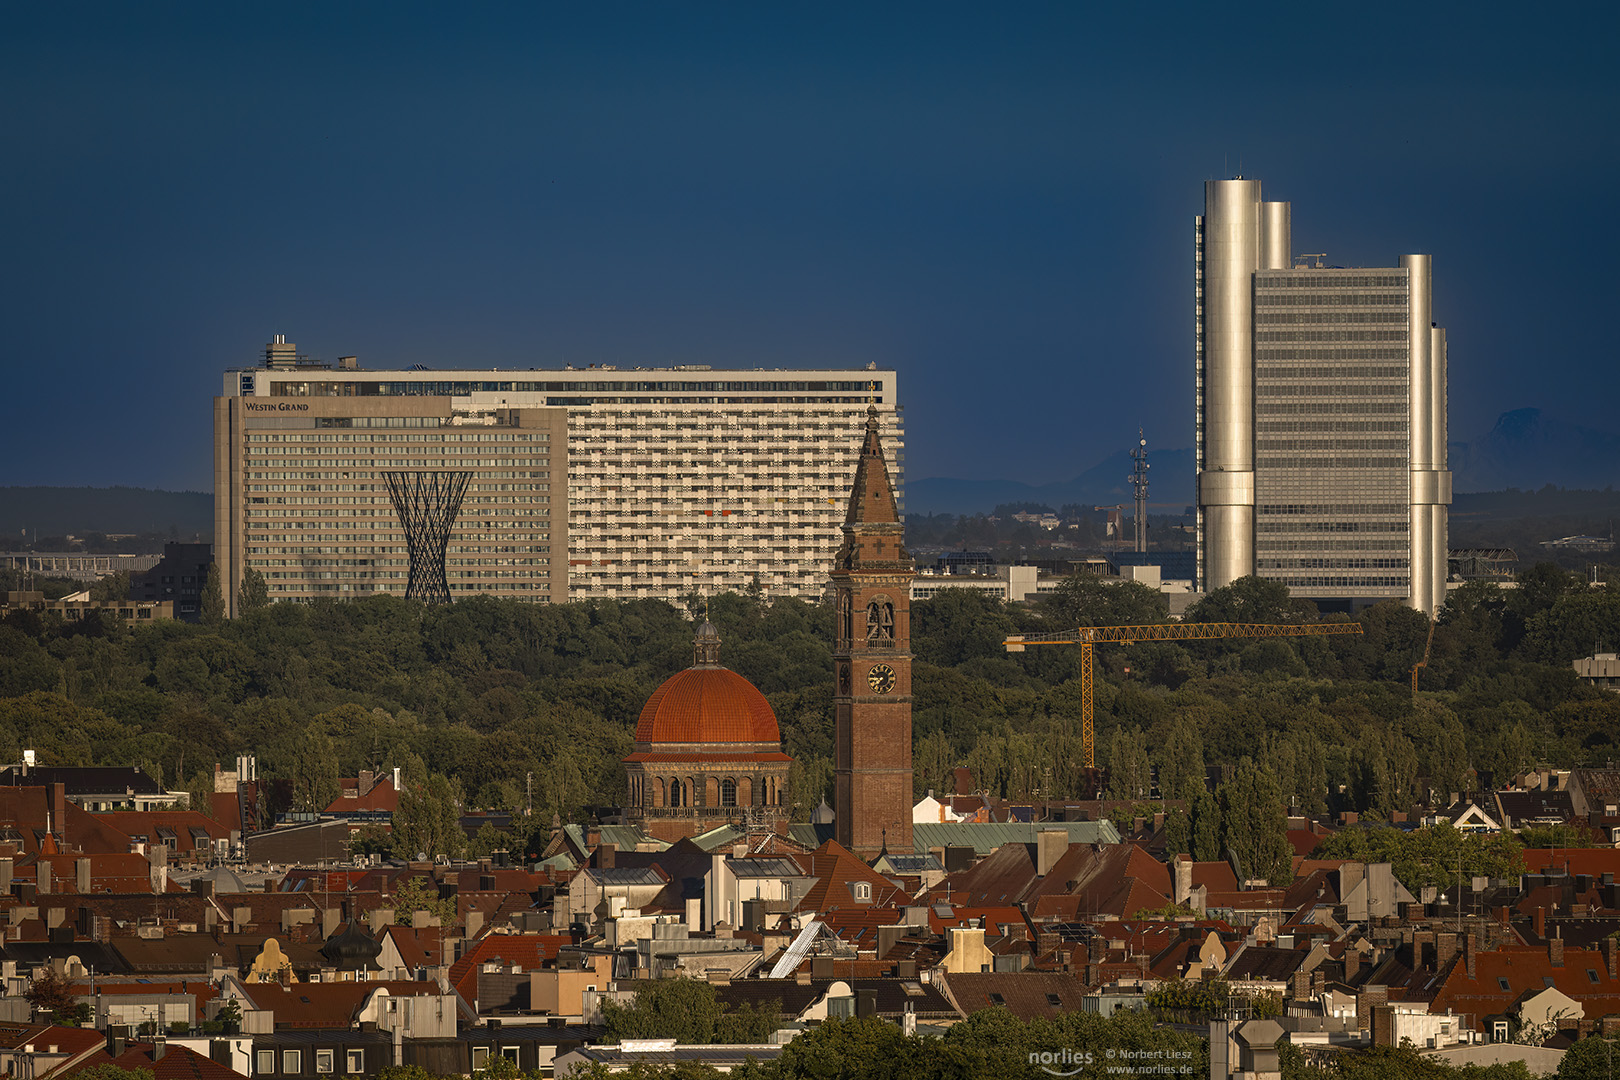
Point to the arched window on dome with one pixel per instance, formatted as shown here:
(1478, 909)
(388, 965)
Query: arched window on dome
(711, 791)
(728, 792)
(658, 791)
(745, 791)
(677, 796)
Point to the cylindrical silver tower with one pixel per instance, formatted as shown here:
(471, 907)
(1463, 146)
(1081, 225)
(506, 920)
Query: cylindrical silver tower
(1437, 454)
(1276, 235)
(1430, 484)
(1233, 243)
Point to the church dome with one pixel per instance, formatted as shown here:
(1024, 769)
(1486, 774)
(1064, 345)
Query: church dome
(706, 703)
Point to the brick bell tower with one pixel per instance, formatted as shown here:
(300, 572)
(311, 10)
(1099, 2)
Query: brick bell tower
(871, 582)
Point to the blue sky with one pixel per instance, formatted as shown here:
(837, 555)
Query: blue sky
(998, 201)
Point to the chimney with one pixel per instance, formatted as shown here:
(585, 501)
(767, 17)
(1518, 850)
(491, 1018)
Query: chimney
(606, 856)
(1541, 922)
(1555, 951)
(82, 877)
(1423, 949)
(1050, 846)
(44, 870)
(59, 808)
(1352, 963)
(1611, 956)
(7, 869)
(1471, 955)
(1445, 947)
(1370, 998)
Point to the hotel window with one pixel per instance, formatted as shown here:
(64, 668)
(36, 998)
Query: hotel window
(356, 1061)
(480, 1057)
(292, 1062)
(324, 1061)
(265, 1062)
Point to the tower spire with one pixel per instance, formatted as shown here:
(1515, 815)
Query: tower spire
(871, 498)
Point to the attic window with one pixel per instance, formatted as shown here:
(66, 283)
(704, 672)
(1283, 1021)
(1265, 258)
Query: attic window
(997, 999)
(863, 890)
(1593, 975)
(1501, 980)
(1054, 1001)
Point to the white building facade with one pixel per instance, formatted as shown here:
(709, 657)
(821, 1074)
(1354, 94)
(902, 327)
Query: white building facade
(597, 483)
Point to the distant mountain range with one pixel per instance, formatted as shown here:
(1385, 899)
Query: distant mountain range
(1525, 450)
(1528, 450)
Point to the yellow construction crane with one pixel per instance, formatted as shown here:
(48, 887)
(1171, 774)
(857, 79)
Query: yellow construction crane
(1089, 636)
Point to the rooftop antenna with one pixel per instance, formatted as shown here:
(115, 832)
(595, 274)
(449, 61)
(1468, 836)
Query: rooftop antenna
(1139, 484)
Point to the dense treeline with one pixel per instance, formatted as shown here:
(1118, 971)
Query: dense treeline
(470, 699)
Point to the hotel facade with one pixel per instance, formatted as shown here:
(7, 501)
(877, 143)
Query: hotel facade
(600, 483)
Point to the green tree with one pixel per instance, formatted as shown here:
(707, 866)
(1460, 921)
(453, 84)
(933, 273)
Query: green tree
(254, 592)
(1180, 755)
(109, 1071)
(1250, 600)
(213, 598)
(52, 993)
(428, 818)
(417, 893)
(685, 1010)
(1203, 821)
(1087, 600)
(1592, 1058)
(1254, 825)
(114, 586)
(1128, 775)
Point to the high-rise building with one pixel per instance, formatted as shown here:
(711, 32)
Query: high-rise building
(589, 483)
(871, 584)
(1321, 410)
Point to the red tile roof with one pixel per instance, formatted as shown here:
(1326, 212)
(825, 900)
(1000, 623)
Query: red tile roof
(1583, 976)
(836, 870)
(526, 952)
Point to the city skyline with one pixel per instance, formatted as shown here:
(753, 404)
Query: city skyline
(997, 207)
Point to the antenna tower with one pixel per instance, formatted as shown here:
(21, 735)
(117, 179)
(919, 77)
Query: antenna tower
(1139, 484)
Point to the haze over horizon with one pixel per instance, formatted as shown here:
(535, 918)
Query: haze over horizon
(999, 204)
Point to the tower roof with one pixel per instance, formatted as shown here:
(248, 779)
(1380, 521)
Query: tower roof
(871, 499)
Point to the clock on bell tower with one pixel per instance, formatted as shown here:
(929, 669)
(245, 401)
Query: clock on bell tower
(871, 583)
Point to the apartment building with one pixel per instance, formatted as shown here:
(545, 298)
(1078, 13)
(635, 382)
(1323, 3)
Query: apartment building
(591, 483)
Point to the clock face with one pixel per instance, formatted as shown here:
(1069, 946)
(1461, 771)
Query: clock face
(880, 678)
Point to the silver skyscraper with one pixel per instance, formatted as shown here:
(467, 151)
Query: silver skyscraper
(1321, 403)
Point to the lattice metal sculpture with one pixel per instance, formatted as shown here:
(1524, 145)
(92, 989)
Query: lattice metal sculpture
(427, 504)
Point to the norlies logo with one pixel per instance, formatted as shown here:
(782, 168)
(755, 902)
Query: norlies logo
(1064, 1062)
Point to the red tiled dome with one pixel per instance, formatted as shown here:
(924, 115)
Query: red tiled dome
(707, 705)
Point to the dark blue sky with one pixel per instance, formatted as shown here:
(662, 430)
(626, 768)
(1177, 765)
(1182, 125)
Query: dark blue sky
(997, 202)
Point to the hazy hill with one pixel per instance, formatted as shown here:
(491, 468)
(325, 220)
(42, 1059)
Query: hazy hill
(1527, 449)
(58, 511)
